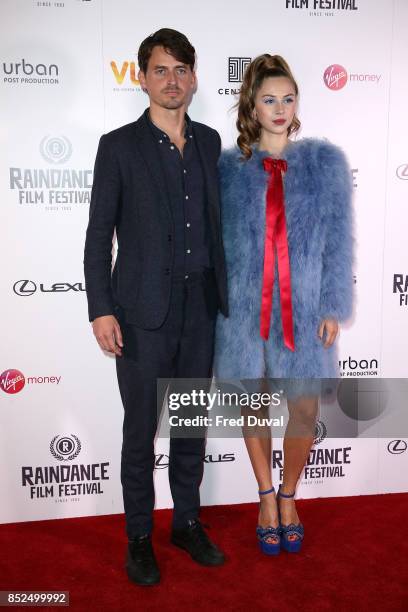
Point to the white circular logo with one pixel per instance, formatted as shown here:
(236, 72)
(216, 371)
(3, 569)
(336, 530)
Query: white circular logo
(55, 149)
(65, 448)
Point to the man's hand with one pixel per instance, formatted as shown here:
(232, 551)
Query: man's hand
(107, 332)
(331, 327)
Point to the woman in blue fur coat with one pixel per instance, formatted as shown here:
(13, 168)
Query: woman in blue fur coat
(295, 339)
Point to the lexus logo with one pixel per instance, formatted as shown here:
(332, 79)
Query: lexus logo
(24, 287)
(396, 447)
(402, 172)
(28, 287)
(161, 461)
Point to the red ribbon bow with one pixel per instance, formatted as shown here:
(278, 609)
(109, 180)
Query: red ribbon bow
(276, 236)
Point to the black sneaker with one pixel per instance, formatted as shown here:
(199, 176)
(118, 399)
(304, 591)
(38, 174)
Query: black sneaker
(195, 541)
(141, 564)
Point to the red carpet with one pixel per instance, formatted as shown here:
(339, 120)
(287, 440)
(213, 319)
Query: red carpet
(355, 557)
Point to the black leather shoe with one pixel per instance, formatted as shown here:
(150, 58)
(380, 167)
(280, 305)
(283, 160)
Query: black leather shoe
(141, 564)
(195, 541)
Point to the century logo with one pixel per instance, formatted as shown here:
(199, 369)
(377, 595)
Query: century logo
(397, 447)
(26, 288)
(402, 172)
(236, 70)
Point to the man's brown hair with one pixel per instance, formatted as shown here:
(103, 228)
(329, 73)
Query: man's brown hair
(175, 43)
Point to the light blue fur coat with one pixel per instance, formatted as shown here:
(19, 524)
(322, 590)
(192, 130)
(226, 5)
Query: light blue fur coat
(318, 188)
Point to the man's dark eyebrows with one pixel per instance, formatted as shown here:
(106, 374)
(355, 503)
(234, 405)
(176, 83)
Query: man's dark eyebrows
(161, 66)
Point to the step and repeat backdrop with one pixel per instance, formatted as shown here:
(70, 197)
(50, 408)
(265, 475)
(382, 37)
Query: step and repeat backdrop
(69, 74)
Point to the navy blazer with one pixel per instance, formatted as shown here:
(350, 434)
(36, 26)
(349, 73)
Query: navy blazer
(130, 194)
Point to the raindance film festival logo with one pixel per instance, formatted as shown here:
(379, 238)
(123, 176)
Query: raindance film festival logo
(322, 462)
(124, 75)
(320, 432)
(53, 188)
(236, 70)
(25, 288)
(364, 367)
(27, 73)
(65, 481)
(400, 287)
(13, 381)
(322, 8)
(335, 77)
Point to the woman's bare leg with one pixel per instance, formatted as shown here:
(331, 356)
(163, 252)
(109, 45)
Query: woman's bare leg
(299, 436)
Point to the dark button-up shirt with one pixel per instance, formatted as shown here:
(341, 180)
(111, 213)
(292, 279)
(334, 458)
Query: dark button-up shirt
(185, 181)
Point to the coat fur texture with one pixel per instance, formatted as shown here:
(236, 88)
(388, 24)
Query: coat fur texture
(318, 188)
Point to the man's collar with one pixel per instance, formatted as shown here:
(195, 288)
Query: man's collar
(160, 133)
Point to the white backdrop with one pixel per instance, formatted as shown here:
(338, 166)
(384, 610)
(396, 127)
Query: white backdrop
(68, 74)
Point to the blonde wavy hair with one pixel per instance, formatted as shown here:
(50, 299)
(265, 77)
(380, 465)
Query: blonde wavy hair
(260, 68)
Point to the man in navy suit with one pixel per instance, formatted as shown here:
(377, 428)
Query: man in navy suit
(156, 184)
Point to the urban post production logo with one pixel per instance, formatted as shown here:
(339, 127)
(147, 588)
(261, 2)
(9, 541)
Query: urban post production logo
(53, 187)
(13, 381)
(402, 172)
(400, 288)
(26, 288)
(397, 447)
(236, 70)
(64, 481)
(26, 72)
(335, 77)
(362, 367)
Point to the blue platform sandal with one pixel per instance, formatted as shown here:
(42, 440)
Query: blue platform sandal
(286, 531)
(268, 537)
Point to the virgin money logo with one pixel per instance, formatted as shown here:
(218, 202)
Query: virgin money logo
(12, 381)
(335, 76)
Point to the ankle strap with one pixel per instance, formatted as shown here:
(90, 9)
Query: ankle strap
(265, 492)
(285, 494)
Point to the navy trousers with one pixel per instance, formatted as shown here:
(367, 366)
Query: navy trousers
(181, 348)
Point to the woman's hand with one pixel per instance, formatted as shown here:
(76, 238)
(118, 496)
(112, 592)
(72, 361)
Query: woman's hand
(331, 328)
